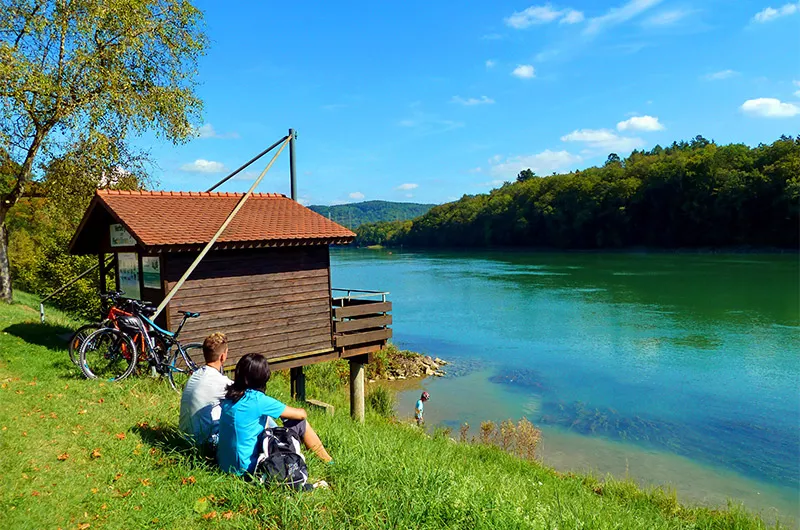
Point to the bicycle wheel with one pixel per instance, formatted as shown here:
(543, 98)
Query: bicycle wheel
(108, 354)
(76, 340)
(182, 366)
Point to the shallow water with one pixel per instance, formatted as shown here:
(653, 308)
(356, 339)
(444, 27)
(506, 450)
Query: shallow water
(678, 369)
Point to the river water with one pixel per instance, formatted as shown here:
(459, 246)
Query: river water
(674, 369)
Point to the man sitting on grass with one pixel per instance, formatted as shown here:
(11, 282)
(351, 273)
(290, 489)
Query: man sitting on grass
(200, 402)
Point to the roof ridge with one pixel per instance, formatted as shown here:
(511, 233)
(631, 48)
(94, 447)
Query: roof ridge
(194, 194)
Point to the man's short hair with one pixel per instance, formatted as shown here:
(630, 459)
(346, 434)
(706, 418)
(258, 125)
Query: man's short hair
(214, 346)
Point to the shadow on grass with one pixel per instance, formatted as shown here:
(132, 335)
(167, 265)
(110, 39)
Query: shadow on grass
(172, 441)
(50, 336)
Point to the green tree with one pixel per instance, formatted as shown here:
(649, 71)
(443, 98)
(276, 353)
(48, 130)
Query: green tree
(525, 174)
(82, 76)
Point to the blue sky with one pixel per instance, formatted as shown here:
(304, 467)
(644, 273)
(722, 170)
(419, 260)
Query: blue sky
(426, 101)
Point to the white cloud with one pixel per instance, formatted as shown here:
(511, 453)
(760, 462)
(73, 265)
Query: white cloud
(667, 18)
(571, 16)
(770, 13)
(618, 15)
(542, 163)
(797, 84)
(524, 71)
(204, 166)
(356, 195)
(429, 124)
(545, 14)
(407, 186)
(483, 100)
(207, 131)
(769, 108)
(603, 139)
(640, 123)
(475, 170)
(722, 74)
(490, 63)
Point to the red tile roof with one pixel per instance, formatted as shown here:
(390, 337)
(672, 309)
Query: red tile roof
(158, 218)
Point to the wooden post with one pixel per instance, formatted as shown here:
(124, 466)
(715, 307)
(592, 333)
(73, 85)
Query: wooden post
(297, 383)
(357, 387)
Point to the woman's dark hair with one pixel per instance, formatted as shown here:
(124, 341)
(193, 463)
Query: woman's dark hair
(252, 373)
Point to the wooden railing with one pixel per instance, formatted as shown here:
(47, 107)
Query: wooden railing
(361, 320)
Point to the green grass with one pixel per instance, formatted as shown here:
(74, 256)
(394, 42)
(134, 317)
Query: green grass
(77, 452)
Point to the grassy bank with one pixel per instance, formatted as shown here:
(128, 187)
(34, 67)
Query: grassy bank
(84, 454)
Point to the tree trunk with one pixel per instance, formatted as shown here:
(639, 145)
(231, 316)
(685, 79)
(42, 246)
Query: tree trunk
(5, 271)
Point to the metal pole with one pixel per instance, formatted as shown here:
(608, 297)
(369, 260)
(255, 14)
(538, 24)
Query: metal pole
(222, 228)
(292, 170)
(259, 155)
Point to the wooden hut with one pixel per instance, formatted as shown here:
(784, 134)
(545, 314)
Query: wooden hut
(265, 283)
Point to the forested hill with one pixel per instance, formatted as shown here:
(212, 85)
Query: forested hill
(690, 194)
(356, 214)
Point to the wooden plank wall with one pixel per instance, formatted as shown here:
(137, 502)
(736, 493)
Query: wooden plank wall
(270, 301)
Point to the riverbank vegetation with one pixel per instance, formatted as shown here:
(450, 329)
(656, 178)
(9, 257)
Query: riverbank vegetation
(86, 454)
(688, 195)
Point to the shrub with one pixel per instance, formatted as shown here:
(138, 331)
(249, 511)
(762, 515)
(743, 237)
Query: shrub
(382, 401)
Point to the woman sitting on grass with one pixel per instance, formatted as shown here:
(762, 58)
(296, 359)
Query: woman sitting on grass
(245, 411)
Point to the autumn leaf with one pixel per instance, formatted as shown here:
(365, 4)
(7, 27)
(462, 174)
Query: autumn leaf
(101, 400)
(201, 505)
(95, 490)
(210, 515)
(35, 493)
(227, 515)
(117, 476)
(82, 411)
(63, 456)
(96, 453)
(20, 391)
(145, 481)
(53, 415)
(83, 526)
(142, 425)
(188, 480)
(120, 436)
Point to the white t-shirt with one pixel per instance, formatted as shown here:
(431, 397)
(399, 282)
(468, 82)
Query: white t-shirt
(200, 408)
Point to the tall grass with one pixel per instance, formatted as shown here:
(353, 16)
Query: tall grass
(77, 453)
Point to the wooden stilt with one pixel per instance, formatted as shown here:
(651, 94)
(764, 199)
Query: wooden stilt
(357, 387)
(298, 383)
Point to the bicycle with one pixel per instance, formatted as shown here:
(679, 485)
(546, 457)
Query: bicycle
(114, 301)
(113, 352)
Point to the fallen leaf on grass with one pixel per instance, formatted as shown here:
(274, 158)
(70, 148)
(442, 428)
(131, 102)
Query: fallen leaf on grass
(96, 453)
(95, 490)
(32, 383)
(210, 515)
(24, 433)
(82, 411)
(63, 456)
(101, 400)
(117, 476)
(123, 495)
(201, 505)
(142, 425)
(120, 436)
(145, 481)
(20, 391)
(53, 415)
(188, 480)
(35, 493)
(227, 515)
(83, 526)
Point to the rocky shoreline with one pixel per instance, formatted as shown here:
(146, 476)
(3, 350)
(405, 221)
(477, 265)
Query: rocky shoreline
(399, 365)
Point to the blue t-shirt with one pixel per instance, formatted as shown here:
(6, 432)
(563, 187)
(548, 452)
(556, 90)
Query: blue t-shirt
(240, 428)
(420, 408)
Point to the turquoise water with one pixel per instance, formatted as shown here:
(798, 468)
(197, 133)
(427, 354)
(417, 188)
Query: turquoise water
(676, 369)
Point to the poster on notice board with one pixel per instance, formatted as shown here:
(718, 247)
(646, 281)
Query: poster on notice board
(151, 272)
(129, 274)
